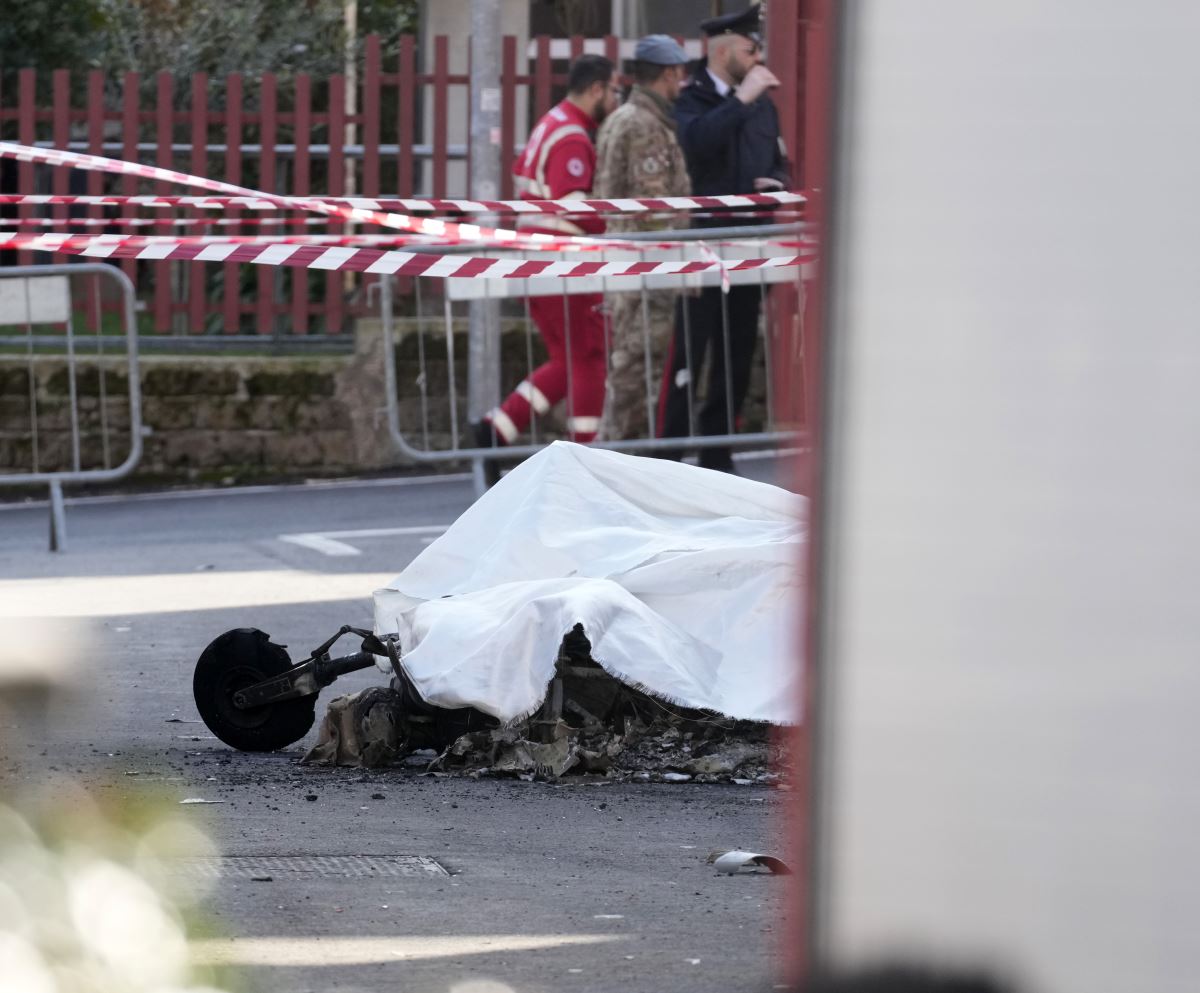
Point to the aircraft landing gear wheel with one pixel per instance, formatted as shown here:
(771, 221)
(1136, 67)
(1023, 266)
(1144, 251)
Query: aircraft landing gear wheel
(233, 661)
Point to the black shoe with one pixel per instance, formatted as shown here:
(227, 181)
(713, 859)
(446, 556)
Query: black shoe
(486, 437)
(719, 459)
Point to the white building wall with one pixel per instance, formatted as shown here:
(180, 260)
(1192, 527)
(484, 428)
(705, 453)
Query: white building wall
(1012, 642)
(454, 20)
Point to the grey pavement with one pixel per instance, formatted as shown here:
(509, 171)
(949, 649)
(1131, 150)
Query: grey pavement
(590, 886)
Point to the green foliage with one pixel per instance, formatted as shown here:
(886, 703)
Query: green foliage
(50, 34)
(187, 36)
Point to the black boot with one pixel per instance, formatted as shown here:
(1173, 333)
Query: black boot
(486, 437)
(720, 459)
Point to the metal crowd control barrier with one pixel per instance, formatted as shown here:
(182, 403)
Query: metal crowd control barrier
(753, 245)
(68, 440)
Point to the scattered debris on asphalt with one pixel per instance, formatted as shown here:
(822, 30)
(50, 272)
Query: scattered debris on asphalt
(196, 799)
(736, 860)
(590, 724)
(668, 748)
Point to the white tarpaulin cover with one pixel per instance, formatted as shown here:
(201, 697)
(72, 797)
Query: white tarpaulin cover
(686, 582)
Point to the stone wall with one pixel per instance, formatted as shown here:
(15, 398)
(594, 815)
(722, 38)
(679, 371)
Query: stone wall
(240, 418)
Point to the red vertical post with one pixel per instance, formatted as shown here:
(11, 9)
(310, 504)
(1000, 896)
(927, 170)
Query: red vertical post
(816, 19)
(129, 151)
(785, 29)
(164, 133)
(95, 133)
(784, 337)
(232, 303)
(334, 306)
(784, 323)
(541, 84)
(197, 271)
(60, 83)
(406, 101)
(817, 110)
(813, 161)
(467, 117)
(405, 116)
(95, 183)
(612, 50)
(370, 112)
(301, 179)
(372, 59)
(576, 46)
(26, 135)
(441, 93)
(508, 114)
(268, 132)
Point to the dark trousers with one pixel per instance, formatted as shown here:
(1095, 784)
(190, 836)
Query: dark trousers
(700, 341)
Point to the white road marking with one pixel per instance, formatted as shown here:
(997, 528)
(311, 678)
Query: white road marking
(327, 543)
(323, 950)
(127, 596)
(319, 543)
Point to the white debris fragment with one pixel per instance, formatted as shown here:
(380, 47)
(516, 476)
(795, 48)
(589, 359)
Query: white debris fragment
(731, 862)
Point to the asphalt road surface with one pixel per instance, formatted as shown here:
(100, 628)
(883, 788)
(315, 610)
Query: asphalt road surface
(541, 887)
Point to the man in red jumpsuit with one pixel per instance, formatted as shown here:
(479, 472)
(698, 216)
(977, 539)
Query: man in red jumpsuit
(558, 163)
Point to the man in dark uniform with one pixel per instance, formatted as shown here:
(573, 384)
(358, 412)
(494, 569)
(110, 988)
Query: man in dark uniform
(729, 131)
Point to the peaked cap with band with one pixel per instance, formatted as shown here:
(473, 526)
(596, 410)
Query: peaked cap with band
(747, 23)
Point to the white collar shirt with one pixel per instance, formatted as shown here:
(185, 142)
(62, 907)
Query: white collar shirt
(723, 88)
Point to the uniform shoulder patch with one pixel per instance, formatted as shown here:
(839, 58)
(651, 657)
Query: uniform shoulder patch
(576, 167)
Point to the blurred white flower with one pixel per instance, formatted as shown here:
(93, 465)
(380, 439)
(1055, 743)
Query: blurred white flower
(169, 840)
(24, 971)
(122, 922)
(86, 903)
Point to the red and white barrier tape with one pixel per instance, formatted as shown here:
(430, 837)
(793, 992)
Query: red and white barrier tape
(149, 222)
(147, 240)
(619, 206)
(444, 230)
(155, 222)
(393, 240)
(302, 252)
(368, 260)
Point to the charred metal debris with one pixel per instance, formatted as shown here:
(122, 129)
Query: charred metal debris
(590, 724)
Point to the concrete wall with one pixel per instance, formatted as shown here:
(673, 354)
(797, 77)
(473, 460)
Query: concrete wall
(209, 418)
(216, 418)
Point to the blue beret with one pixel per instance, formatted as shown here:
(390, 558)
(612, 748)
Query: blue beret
(660, 50)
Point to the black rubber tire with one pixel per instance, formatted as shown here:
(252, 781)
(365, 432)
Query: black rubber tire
(233, 661)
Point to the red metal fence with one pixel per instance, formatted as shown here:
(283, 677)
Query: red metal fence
(289, 140)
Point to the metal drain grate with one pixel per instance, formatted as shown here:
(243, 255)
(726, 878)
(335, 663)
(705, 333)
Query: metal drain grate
(325, 866)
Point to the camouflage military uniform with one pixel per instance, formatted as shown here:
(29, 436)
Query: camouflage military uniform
(637, 155)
